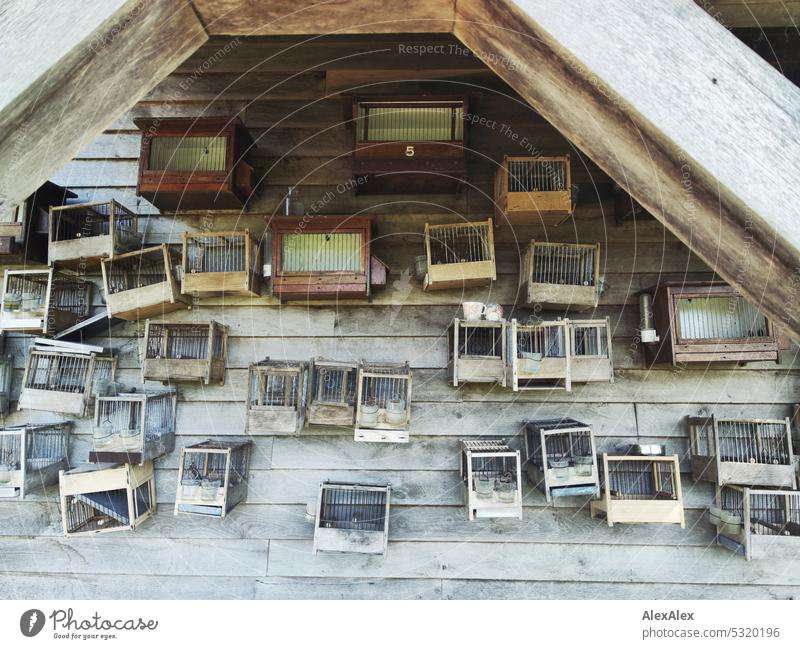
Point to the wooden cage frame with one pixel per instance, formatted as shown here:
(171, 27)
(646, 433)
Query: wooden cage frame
(6, 380)
(29, 477)
(548, 208)
(320, 412)
(538, 456)
(83, 249)
(94, 487)
(52, 319)
(233, 488)
(244, 283)
(462, 273)
(145, 301)
(287, 418)
(588, 367)
(382, 430)
(651, 510)
(208, 369)
(555, 370)
(713, 466)
(333, 539)
(493, 507)
(476, 368)
(578, 297)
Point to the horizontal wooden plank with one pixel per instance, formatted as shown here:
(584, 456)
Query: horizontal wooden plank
(372, 589)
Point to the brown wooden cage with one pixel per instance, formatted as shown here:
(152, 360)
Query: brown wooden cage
(459, 255)
(560, 275)
(535, 190)
(477, 351)
(194, 164)
(332, 393)
(221, 263)
(184, 351)
(276, 396)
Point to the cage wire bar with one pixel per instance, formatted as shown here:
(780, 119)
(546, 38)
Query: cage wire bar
(491, 479)
(352, 517)
(538, 174)
(719, 318)
(31, 457)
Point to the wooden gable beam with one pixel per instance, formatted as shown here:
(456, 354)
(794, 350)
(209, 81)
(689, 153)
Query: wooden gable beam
(72, 68)
(684, 117)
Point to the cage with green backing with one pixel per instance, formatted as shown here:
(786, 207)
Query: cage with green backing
(31, 457)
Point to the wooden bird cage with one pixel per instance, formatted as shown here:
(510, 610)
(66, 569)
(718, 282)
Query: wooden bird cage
(561, 457)
(221, 263)
(133, 427)
(477, 351)
(409, 145)
(742, 451)
(332, 393)
(757, 523)
(6, 378)
(590, 354)
(212, 477)
(99, 498)
(491, 479)
(352, 518)
(324, 257)
(640, 489)
(195, 164)
(708, 321)
(276, 397)
(61, 378)
(459, 255)
(31, 457)
(143, 284)
(533, 190)
(87, 233)
(185, 351)
(561, 275)
(383, 404)
(43, 301)
(538, 356)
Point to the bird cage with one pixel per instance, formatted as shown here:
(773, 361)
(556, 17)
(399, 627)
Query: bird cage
(561, 457)
(477, 351)
(534, 190)
(133, 427)
(212, 477)
(538, 356)
(332, 393)
(79, 234)
(491, 479)
(195, 164)
(352, 518)
(742, 451)
(64, 379)
(459, 254)
(97, 498)
(31, 457)
(409, 145)
(640, 489)
(708, 321)
(276, 396)
(561, 275)
(184, 351)
(221, 263)
(757, 523)
(324, 257)
(383, 405)
(590, 353)
(43, 301)
(143, 283)
(6, 377)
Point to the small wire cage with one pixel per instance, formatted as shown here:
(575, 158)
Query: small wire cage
(534, 189)
(383, 404)
(757, 523)
(352, 518)
(99, 498)
(212, 477)
(477, 351)
(91, 231)
(32, 456)
(491, 478)
(332, 393)
(185, 351)
(742, 451)
(640, 489)
(143, 283)
(134, 427)
(43, 301)
(221, 263)
(538, 356)
(459, 254)
(6, 377)
(561, 457)
(277, 396)
(61, 381)
(561, 275)
(591, 356)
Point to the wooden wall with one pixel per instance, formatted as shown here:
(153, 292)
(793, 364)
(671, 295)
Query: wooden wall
(291, 104)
